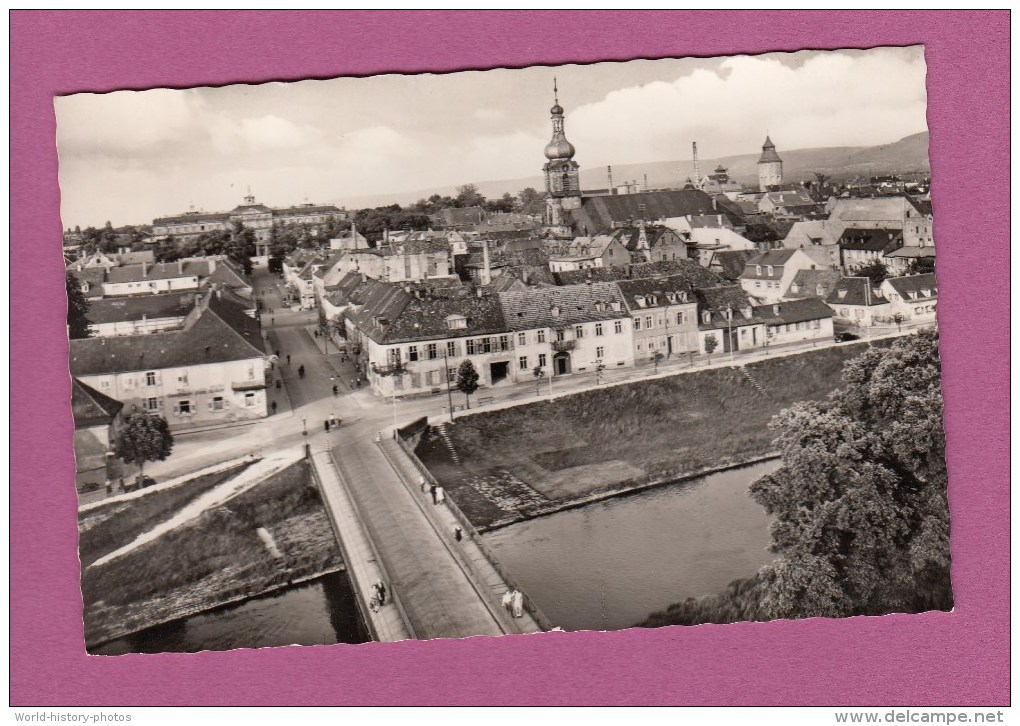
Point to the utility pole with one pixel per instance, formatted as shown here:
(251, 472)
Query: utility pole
(729, 330)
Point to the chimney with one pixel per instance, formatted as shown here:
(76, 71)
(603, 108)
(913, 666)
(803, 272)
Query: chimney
(486, 269)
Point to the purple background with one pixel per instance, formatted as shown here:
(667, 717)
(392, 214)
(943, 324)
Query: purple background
(958, 658)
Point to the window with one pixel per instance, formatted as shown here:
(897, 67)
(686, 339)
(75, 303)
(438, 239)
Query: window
(540, 336)
(151, 404)
(105, 385)
(598, 328)
(216, 404)
(412, 352)
(251, 372)
(640, 347)
(431, 351)
(470, 346)
(618, 326)
(486, 345)
(578, 331)
(182, 378)
(771, 271)
(522, 339)
(757, 284)
(407, 268)
(451, 375)
(398, 383)
(648, 322)
(504, 342)
(681, 318)
(451, 348)
(416, 380)
(432, 378)
(541, 360)
(522, 362)
(560, 336)
(637, 323)
(600, 352)
(184, 407)
(150, 378)
(757, 269)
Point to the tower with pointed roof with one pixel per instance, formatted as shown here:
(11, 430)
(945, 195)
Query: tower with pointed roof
(562, 182)
(770, 166)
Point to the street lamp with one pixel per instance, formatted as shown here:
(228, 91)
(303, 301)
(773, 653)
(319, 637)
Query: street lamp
(729, 330)
(449, 390)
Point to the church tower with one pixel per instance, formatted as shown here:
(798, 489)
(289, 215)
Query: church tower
(770, 166)
(561, 171)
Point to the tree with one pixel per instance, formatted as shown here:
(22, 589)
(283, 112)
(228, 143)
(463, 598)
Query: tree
(539, 374)
(656, 357)
(528, 195)
(77, 309)
(467, 380)
(711, 343)
(921, 266)
(876, 271)
(145, 437)
(469, 196)
(898, 319)
(240, 247)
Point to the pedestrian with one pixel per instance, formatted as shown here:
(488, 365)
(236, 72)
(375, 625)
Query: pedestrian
(335, 389)
(277, 352)
(381, 586)
(109, 487)
(508, 601)
(421, 483)
(121, 486)
(326, 425)
(518, 603)
(273, 406)
(432, 491)
(440, 495)
(458, 534)
(301, 371)
(288, 359)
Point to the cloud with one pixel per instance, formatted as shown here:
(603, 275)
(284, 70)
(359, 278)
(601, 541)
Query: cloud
(831, 99)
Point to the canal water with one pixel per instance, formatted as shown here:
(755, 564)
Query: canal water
(318, 612)
(610, 564)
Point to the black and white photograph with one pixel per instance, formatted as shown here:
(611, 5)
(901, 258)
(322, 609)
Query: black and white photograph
(492, 352)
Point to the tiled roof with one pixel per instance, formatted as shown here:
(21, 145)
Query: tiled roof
(793, 311)
(869, 209)
(417, 247)
(90, 407)
(307, 209)
(794, 197)
(923, 206)
(595, 274)
(228, 275)
(425, 318)
(629, 236)
(192, 217)
(717, 300)
(260, 208)
(94, 276)
(813, 283)
(871, 240)
(134, 258)
(774, 258)
(653, 292)
(856, 291)
(911, 252)
(574, 303)
(731, 262)
(459, 216)
(605, 210)
(124, 309)
(159, 271)
(768, 152)
(924, 287)
(220, 333)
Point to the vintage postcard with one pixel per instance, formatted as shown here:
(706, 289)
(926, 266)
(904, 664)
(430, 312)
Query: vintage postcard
(594, 347)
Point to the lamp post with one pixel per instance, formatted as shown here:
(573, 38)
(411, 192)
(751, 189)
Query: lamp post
(449, 390)
(729, 330)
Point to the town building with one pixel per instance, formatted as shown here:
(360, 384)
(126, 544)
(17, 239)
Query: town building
(726, 313)
(887, 212)
(210, 372)
(664, 316)
(146, 279)
(562, 182)
(139, 315)
(858, 301)
(97, 420)
(770, 166)
(767, 276)
(794, 321)
(568, 329)
(913, 298)
(861, 247)
(812, 283)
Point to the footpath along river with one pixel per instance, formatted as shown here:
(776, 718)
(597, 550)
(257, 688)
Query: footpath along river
(610, 564)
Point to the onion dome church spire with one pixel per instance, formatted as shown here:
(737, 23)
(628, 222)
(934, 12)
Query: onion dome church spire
(770, 166)
(561, 171)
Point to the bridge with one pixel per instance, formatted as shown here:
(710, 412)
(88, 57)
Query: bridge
(389, 530)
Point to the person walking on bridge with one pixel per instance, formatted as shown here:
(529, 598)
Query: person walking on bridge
(518, 599)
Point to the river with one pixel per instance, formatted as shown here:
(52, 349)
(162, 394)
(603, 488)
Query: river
(610, 564)
(318, 612)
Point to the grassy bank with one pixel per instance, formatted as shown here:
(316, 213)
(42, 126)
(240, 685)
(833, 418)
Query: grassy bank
(107, 527)
(517, 459)
(216, 558)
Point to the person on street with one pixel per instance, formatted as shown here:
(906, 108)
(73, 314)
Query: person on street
(458, 534)
(440, 495)
(432, 490)
(335, 389)
(273, 406)
(421, 483)
(288, 359)
(326, 425)
(301, 371)
(381, 589)
(508, 601)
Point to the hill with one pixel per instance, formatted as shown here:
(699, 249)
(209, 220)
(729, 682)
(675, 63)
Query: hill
(840, 162)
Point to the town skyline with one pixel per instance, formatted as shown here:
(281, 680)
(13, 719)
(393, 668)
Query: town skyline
(487, 126)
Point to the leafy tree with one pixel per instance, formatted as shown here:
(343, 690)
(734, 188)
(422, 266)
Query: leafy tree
(469, 196)
(861, 521)
(506, 203)
(528, 195)
(77, 309)
(711, 343)
(656, 357)
(145, 437)
(876, 271)
(921, 266)
(539, 373)
(467, 380)
(240, 246)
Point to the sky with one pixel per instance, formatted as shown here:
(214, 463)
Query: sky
(130, 156)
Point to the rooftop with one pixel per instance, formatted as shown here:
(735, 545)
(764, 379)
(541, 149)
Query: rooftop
(90, 407)
(557, 307)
